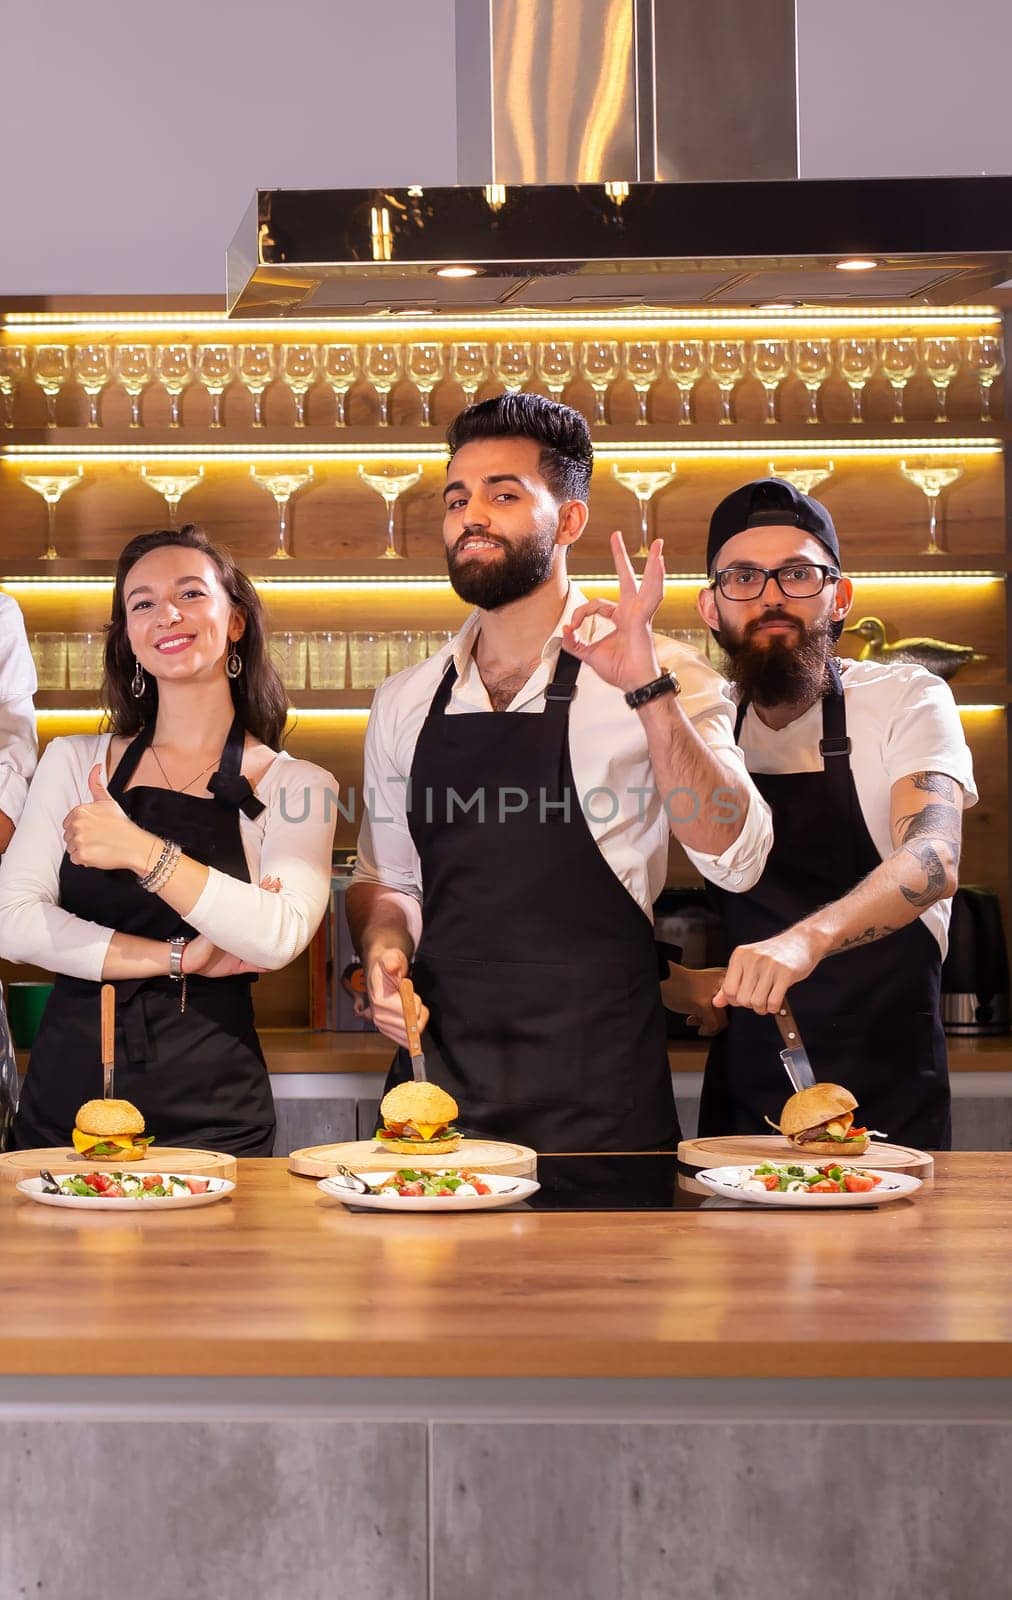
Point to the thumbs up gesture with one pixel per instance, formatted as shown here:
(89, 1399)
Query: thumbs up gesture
(99, 833)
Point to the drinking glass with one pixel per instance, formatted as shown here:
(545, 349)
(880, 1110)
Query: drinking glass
(92, 371)
(390, 484)
(931, 478)
(85, 660)
(282, 485)
(804, 479)
(469, 368)
(175, 366)
(216, 370)
(435, 639)
(858, 358)
(367, 659)
(300, 368)
(600, 364)
(257, 369)
(290, 653)
(899, 363)
(51, 370)
(328, 654)
(555, 365)
(771, 364)
(13, 368)
(686, 366)
(813, 362)
(984, 358)
(383, 365)
(644, 485)
(406, 648)
(513, 366)
(172, 486)
(941, 363)
(726, 362)
(340, 369)
(425, 368)
(52, 486)
(50, 653)
(643, 369)
(135, 368)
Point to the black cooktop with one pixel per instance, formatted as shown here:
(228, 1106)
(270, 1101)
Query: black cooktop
(642, 1182)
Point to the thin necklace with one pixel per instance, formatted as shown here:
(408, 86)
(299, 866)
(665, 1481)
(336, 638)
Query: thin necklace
(183, 786)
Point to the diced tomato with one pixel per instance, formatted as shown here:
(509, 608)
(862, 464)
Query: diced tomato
(769, 1180)
(114, 1191)
(482, 1188)
(857, 1133)
(858, 1183)
(151, 1180)
(102, 1182)
(412, 1188)
(874, 1177)
(825, 1186)
(198, 1185)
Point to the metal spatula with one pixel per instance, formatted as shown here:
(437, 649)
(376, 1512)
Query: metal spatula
(108, 1038)
(411, 1025)
(794, 1056)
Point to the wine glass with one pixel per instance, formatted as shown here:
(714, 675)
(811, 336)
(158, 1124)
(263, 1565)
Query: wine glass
(340, 369)
(425, 368)
(804, 479)
(899, 363)
(300, 368)
(644, 485)
(931, 478)
(13, 368)
(216, 370)
(599, 361)
(92, 371)
(813, 362)
(726, 362)
(176, 367)
(282, 485)
(941, 363)
(52, 486)
(383, 365)
(390, 483)
(172, 486)
(984, 358)
(469, 368)
(135, 368)
(513, 366)
(257, 369)
(51, 371)
(643, 369)
(771, 364)
(857, 359)
(556, 366)
(686, 366)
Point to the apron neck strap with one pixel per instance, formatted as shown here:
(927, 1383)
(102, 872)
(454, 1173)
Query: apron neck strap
(228, 785)
(834, 746)
(129, 760)
(558, 693)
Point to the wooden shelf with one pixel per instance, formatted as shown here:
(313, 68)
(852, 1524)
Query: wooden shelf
(299, 699)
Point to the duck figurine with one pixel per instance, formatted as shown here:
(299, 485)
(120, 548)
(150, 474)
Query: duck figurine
(939, 657)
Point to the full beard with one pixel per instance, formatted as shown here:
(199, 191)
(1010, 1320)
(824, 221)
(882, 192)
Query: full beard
(781, 671)
(494, 581)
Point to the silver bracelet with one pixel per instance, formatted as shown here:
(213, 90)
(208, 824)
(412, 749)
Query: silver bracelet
(163, 868)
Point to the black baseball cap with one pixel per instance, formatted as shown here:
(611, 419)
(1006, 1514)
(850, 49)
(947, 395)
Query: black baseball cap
(769, 503)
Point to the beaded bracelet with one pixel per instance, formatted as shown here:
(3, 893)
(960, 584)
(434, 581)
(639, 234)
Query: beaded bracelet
(163, 868)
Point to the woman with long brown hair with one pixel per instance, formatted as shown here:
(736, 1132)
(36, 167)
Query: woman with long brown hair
(174, 855)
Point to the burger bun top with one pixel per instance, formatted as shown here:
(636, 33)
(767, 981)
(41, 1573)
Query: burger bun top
(811, 1107)
(418, 1102)
(109, 1118)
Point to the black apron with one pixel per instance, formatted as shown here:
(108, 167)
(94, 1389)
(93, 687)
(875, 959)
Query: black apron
(869, 1017)
(198, 1076)
(537, 965)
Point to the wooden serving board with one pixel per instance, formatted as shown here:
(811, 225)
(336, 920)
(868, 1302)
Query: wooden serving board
(18, 1164)
(741, 1151)
(362, 1155)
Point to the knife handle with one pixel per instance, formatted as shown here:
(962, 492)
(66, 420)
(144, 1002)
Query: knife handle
(784, 1019)
(108, 1013)
(410, 1009)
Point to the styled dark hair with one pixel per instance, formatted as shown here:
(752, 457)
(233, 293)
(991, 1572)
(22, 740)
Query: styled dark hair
(257, 693)
(567, 455)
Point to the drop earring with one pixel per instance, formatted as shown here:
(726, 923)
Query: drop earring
(233, 664)
(138, 683)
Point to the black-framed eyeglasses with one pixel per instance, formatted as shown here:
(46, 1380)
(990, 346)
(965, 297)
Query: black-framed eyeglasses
(798, 580)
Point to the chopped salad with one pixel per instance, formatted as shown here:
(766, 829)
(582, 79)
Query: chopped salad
(800, 1178)
(451, 1182)
(131, 1186)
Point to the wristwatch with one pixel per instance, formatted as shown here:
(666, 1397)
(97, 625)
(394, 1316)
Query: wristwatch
(667, 683)
(176, 948)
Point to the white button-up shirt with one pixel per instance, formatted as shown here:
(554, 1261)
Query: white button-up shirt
(615, 787)
(19, 745)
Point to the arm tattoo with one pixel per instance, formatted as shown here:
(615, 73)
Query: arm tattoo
(867, 937)
(935, 783)
(933, 821)
(930, 861)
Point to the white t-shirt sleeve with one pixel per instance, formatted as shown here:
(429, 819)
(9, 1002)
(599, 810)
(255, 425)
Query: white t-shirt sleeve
(34, 927)
(924, 732)
(385, 852)
(19, 745)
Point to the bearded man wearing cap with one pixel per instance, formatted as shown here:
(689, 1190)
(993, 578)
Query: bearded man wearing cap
(867, 772)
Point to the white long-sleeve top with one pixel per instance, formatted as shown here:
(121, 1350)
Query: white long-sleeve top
(292, 839)
(19, 745)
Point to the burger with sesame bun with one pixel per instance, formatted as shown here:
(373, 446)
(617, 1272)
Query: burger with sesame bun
(820, 1121)
(110, 1128)
(417, 1120)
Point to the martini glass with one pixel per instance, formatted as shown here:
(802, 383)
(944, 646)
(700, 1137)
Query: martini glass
(644, 485)
(340, 369)
(899, 363)
(390, 484)
(13, 368)
(984, 358)
(931, 478)
(282, 485)
(804, 479)
(135, 368)
(171, 486)
(771, 364)
(555, 367)
(52, 486)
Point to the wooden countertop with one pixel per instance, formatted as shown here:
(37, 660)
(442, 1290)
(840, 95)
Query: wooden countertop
(281, 1281)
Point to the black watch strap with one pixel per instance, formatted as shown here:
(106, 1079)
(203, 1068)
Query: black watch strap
(667, 683)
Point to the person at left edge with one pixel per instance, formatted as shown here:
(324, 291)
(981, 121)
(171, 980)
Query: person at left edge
(188, 795)
(520, 872)
(19, 748)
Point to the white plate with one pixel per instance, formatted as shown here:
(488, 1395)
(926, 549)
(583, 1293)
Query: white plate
(217, 1189)
(506, 1191)
(728, 1181)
